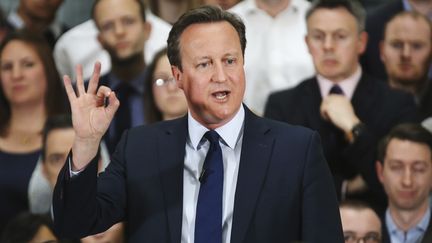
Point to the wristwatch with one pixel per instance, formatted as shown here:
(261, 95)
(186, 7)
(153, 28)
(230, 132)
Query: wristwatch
(356, 131)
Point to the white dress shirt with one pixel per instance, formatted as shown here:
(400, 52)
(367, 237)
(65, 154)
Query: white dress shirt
(196, 150)
(276, 54)
(79, 45)
(347, 85)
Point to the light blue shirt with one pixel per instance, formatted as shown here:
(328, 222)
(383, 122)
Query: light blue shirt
(196, 149)
(413, 235)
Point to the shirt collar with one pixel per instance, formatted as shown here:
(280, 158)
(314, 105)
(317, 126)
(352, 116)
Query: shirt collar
(251, 7)
(230, 132)
(422, 225)
(347, 85)
(137, 83)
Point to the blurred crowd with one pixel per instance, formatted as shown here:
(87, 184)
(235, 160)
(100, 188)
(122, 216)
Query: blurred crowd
(358, 73)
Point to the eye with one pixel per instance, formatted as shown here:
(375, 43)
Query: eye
(203, 64)
(396, 44)
(28, 64)
(417, 46)
(106, 27)
(230, 61)
(6, 66)
(128, 21)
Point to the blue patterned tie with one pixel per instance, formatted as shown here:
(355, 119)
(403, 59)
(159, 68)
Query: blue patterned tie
(208, 223)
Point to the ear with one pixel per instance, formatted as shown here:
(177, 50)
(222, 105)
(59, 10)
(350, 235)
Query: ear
(147, 28)
(306, 38)
(363, 39)
(380, 170)
(178, 74)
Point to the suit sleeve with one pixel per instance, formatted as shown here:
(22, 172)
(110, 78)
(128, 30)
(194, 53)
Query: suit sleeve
(321, 219)
(87, 204)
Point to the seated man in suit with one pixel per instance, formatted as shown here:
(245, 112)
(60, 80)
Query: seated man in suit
(349, 109)
(405, 170)
(359, 221)
(406, 52)
(219, 174)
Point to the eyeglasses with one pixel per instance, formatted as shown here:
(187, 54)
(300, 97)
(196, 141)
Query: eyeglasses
(371, 237)
(164, 81)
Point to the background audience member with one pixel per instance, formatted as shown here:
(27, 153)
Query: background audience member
(404, 167)
(170, 10)
(277, 56)
(375, 23)
(123, 31)
(38, 17)
(30, 228)
(58, 136)
(30, 91)
(406, 52)
(80, 46)
(163, 99)
(359, 221)
(349, 109)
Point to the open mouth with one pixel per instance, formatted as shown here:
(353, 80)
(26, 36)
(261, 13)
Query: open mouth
(221, 95)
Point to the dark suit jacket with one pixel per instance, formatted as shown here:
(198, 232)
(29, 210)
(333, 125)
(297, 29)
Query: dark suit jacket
(284, 190)
(376, 105)
(427, 238)
(375, 23)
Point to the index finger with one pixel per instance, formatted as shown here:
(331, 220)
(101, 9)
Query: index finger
(69, 89)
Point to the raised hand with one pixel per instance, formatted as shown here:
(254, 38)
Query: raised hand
(339, 111)
(90, 117)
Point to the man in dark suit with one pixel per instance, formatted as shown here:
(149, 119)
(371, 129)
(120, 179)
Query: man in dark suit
(349, 109)
(123, 31)
(404, 167)
(375, 25)
(265, 181)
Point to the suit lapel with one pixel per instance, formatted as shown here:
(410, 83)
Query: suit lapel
(312, 102)
(364, 98)
(254, 161)
(171, 170)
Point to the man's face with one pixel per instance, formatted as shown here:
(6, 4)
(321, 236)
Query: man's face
(334, 42)
(122, 31)
(357, 223)
(406, 174)
(212, 75)
(41, 9)
(59, 142)
(406, 49)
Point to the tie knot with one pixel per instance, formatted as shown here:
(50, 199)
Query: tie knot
(212, 136)
(336, 89)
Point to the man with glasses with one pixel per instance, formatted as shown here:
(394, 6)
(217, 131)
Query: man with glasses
(404, 167)
(359, 222)
(123, 31)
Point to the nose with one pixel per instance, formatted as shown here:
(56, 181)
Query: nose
(407, 178)
(406, 50)
(118, 28)
(328, 42)
(16, 72)
(219, 73)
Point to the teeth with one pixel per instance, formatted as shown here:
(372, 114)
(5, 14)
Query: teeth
(221, 95)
